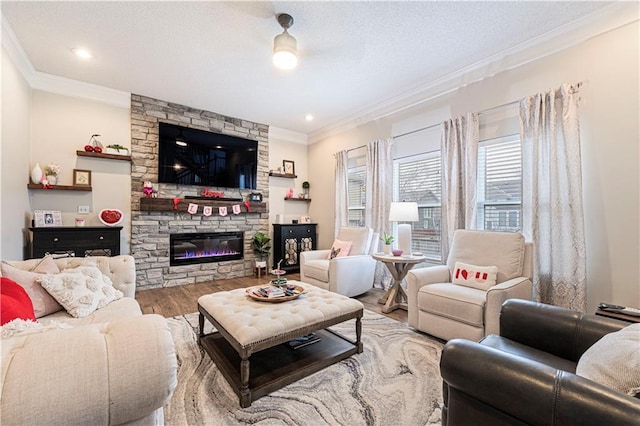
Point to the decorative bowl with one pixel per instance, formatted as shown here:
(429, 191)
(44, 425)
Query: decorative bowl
(396, 252)
(111, 217)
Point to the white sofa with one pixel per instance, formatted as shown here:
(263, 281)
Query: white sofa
(115, 366)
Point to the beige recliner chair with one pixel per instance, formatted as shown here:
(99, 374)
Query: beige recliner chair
(446, 310)
(350, 275)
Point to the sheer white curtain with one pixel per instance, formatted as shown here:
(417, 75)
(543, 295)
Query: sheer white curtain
(379, 184)
(341, 192)
(552, 209)
(459, 172)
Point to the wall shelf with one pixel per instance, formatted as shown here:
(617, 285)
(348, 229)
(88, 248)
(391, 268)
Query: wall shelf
(59, 187)
(103, 155)
(306, 200)
(282, 175)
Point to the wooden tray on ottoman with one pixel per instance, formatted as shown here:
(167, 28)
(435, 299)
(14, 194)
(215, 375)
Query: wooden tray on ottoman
(256, 364)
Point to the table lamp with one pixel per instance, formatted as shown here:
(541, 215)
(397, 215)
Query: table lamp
(404, 212)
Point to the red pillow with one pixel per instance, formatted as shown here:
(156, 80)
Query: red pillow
(14, 302)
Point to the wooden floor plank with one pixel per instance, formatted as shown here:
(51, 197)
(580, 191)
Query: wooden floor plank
(180, 300)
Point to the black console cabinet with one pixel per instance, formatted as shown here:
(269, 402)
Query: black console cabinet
(76, 241)
(289, 241)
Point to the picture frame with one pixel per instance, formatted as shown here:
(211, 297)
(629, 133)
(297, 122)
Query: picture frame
(255, 196)
(305, 219)
(47, 218)
(81, 177)
(288, 167)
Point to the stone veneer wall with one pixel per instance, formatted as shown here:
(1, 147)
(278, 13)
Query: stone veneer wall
(150, 230)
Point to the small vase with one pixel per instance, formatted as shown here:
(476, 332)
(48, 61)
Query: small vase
(52, 179)
(387, 249)
(36, 174)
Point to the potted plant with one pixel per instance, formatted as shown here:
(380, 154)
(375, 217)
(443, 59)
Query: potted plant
(305, 188)
(387, 240)
(262, 248)
(117, 149)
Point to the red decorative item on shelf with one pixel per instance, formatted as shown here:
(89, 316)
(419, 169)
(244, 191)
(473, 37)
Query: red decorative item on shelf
(212, 194)
(248, 206)
(110, 217)
(176, 201)
(147, 188)
(88, 148)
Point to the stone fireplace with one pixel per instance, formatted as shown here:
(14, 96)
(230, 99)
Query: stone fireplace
(155, 220)
(205, 247)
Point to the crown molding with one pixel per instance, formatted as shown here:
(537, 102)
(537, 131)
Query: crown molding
(614, 16)
(285, 135)
(55, 84)
(16, 52)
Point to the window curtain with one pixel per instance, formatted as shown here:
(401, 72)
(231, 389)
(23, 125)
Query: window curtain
(341, 192)
(379, 184)
(460, 138)
(552, 208)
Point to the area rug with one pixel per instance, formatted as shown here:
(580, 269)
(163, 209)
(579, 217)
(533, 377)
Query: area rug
(395, 381)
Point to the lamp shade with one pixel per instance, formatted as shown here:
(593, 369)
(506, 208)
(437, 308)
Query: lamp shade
(285, 51)
(403, 212)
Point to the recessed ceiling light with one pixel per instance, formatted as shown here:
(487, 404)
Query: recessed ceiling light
(83, 53)
(308, 117)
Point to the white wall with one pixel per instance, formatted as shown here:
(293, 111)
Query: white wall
(292, 146)
(14, 159)
(608, 65)
(61, 125)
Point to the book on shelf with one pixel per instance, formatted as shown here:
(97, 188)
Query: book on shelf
(301, 342)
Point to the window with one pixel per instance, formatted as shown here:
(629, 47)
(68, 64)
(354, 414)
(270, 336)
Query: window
(356, 188)
(418, 178)
(499, 188)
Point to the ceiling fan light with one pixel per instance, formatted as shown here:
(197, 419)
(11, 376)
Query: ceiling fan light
(285, 51)
(180, 139)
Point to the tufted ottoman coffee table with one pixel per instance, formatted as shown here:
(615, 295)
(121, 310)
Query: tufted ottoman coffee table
(249, 346)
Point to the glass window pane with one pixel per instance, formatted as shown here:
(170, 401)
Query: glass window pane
(418, 178)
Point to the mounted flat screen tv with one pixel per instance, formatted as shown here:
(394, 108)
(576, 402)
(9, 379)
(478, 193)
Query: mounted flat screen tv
(197, 157)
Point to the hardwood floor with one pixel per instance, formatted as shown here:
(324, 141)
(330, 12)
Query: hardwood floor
(180, 300)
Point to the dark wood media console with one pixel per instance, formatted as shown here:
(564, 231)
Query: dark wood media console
(76, 241)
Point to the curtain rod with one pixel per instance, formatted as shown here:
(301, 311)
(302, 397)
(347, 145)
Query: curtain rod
(438, 124)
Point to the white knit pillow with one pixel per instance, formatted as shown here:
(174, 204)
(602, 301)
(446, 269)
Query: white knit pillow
(81, 290)
(614, 361)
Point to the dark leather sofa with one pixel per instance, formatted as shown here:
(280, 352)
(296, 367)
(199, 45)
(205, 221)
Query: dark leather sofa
(525, 376)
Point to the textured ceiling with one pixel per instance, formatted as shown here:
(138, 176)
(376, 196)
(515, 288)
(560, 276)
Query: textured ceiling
(217, 55)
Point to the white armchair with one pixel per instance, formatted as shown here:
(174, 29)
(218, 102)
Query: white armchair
(350, 275)
(446, 310)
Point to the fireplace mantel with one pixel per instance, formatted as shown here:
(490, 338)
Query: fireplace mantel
(166, 204)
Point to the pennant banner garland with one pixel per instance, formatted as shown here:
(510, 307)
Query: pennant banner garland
(208, 210)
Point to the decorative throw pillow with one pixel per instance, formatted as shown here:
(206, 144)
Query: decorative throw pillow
(340, 249)
(14, 302)
(81, 290)
(43, 303)
(480, 277)
(614, 361)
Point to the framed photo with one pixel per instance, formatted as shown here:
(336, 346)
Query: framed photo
(305, 219)
(43, 218)
(255, 196)
(81, 177)
(288, 167)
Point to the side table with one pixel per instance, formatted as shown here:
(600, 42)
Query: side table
(617, 315)
(399, 266)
